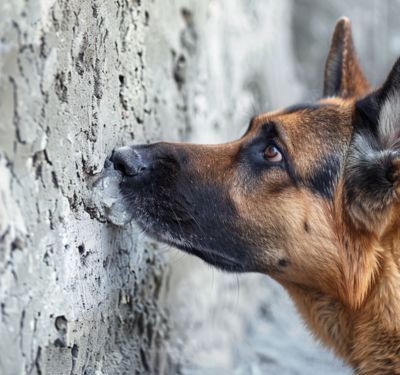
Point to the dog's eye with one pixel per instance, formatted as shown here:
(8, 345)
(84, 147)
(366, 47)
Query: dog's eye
(272, 154)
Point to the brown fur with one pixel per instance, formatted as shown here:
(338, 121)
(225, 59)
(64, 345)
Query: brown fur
(315, 226)
(352, 79)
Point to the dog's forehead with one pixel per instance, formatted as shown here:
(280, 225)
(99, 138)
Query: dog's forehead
(311, 127)
(315, 137)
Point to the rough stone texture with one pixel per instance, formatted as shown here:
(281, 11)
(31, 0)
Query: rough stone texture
(79, 295)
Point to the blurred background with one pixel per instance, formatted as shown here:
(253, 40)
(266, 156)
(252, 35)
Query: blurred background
(80, 295)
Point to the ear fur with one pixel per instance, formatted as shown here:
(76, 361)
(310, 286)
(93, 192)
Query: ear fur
(343, 75)
(372, 172)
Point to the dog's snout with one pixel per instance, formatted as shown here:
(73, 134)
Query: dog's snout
(157, 160)
(131, 161)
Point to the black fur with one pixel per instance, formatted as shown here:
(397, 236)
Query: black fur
(368, 108)
(369, 172)
(323, 180)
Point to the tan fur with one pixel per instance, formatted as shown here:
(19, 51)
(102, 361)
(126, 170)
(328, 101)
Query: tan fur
(362, 325)
(344, 281)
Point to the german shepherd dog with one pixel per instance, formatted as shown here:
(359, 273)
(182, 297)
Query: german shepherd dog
(309, 195)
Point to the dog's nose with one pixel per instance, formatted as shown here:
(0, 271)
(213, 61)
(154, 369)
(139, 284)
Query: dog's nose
(131, 161)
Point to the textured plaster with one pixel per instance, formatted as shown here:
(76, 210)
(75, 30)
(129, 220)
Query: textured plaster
(78, 295)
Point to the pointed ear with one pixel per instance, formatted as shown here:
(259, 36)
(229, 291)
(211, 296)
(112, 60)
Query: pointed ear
(343, 74)
(379, 112)
(372, 172)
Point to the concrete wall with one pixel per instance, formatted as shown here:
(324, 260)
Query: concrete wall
(77, 295)
(80, 295)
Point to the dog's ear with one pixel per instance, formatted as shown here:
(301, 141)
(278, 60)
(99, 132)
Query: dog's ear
(372, 172)
(343, 75)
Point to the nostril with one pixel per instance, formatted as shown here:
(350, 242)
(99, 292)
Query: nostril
(119, 166)
(121, 161)
(108, 163)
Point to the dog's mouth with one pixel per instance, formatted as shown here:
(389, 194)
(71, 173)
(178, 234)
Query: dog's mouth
(218, 261)
(215, 258)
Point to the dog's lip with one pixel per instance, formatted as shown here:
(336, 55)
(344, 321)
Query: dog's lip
(212, 257)
(216, 258)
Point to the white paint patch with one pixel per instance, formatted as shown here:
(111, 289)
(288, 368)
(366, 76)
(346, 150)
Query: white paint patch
(107, 197)
(8, 208)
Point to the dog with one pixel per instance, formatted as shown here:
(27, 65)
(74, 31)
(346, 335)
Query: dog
(309, 195)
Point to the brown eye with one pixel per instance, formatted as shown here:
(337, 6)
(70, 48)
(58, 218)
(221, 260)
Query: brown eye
(272, 153)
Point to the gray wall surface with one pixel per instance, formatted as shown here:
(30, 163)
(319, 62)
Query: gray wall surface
(80, 295)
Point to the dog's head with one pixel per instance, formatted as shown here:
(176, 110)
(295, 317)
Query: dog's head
(293, 197)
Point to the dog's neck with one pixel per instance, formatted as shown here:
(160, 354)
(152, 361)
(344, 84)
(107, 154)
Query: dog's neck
(367, 337)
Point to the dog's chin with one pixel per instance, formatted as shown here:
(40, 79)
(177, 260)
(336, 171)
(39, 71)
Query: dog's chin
(212, 257)
(216, 260)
